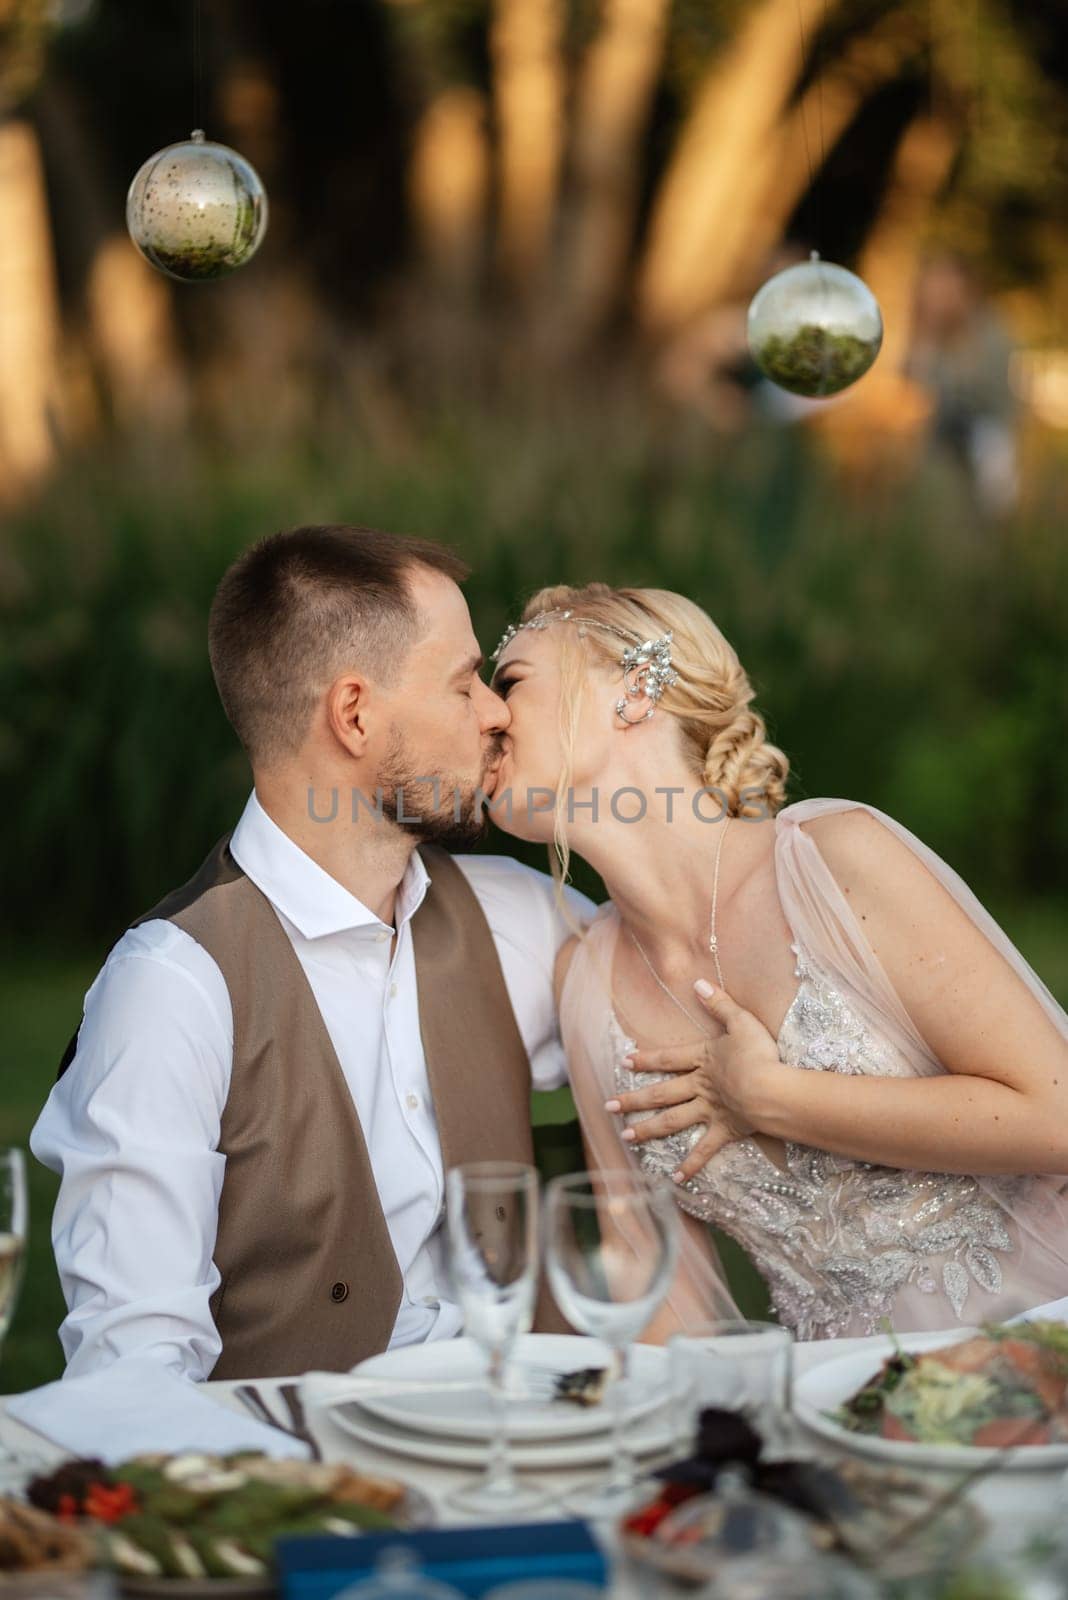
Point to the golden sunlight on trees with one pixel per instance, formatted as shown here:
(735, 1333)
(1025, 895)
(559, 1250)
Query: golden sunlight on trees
(529, 93)
(29, 313)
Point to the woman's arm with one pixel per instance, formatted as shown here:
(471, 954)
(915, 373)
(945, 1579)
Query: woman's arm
(1002, 1105)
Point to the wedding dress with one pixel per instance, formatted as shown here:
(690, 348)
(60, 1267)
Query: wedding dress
(842, 1244)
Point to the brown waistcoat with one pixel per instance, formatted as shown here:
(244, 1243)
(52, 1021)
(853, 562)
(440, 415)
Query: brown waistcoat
(309, 1275)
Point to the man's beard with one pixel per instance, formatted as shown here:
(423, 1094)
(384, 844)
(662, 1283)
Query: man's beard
(456, 822)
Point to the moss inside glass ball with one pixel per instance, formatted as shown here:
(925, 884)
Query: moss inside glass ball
(816, 361)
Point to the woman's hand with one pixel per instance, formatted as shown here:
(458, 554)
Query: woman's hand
(718, 1081)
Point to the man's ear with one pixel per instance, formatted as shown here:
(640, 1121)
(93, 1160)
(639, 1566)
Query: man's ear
(348, 703)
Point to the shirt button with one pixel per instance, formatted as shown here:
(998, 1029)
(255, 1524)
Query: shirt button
(413, 1101)
(393, 991)
(383, 936)
(339, 1292)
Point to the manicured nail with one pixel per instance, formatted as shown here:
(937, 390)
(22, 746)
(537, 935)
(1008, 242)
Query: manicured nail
(628, 1061)
(678, 1177)
(628, 1136)
(612, 1105)
(704, 989)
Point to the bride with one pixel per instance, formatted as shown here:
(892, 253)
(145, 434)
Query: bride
(800, 1014)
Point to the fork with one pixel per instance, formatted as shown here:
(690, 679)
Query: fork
(253, 1401)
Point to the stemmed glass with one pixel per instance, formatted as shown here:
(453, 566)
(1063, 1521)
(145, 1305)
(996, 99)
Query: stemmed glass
(14, 1207)
(492, 1230)
(611, 1247)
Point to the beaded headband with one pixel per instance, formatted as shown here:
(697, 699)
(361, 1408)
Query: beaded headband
(647, 669)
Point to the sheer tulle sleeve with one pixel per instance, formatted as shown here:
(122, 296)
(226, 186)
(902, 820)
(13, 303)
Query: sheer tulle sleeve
(823, 923)
(593, 1041)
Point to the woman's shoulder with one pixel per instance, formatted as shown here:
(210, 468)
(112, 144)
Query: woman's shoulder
(604, 917)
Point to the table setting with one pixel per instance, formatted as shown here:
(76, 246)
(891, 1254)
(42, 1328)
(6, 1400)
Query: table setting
(727, 1462)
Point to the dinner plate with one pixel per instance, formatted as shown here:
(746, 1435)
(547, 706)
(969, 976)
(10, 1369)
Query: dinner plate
(653, 1434)
(469, 1415)
(823, 1389)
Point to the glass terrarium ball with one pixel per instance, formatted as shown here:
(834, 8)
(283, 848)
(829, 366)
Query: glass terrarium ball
(815, 328)
(197, 210)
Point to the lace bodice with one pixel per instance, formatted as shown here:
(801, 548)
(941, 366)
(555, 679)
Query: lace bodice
(841, 1244)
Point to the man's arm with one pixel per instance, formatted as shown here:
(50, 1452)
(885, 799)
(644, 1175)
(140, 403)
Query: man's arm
(528, 928)
(132, 1128)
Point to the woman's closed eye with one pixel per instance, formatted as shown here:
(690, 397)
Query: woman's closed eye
(503, 685)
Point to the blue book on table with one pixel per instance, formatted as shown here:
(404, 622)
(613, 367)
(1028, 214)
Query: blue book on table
(473, 1560)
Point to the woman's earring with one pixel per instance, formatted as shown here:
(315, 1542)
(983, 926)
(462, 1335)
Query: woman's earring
(621, 713)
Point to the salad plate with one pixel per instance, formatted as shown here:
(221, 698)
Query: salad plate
(1001, 1387)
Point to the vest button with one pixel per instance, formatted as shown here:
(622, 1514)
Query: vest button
(339, 1292)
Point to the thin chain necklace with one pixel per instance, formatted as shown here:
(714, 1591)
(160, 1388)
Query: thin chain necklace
(713, 942)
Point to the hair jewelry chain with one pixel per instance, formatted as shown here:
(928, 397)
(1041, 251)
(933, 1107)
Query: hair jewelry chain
(646, 664)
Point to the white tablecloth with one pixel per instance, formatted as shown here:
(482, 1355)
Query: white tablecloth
(1014, 1503)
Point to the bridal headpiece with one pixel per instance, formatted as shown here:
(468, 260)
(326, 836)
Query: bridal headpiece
(646, 663)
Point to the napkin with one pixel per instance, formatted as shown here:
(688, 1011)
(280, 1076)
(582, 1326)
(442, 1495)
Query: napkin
(136, 1405)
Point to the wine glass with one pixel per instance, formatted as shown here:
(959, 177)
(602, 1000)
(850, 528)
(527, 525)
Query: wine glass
(14, 1207)
(492, 1231)
(611, 1246)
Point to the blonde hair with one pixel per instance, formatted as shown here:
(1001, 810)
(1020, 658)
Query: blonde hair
(724, 739)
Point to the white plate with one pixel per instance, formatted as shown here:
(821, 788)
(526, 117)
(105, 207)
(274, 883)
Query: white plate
(470, 1415)
(824, 1388)
(654, 1434)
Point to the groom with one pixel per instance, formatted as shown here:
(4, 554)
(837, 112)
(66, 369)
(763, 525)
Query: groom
(277, 1064)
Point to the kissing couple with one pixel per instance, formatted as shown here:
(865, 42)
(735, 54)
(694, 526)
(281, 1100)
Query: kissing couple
(798, 1015)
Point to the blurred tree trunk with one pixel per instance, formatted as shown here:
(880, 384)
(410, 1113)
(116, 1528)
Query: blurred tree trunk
(823, 114)
(448, 187)
(528, 83)
(613, 102)
(886, 409)
(29, 314)
(716, 183)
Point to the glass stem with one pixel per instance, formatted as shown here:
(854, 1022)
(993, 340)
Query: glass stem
(622, 1473)
(500, 1477)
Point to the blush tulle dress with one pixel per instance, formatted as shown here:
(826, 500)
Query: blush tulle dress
(843, 1245)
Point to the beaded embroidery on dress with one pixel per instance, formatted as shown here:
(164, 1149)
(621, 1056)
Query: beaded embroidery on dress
(841, 1243)
(835, 1239)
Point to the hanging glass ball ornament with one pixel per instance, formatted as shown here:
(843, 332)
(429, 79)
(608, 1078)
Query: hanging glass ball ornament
(815, 328)
(197, 210)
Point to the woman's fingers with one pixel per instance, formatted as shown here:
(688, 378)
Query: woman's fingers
(672, 1092)
(679, 1058)
(718, 1003)
(702, 1152)
(673, 1121)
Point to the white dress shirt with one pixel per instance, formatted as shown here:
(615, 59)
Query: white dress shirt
(133, 1126)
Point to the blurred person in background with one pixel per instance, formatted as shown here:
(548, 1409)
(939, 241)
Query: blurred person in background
(960, 353)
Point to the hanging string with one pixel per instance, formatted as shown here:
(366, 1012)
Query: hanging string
(817, 78)
(198, 64)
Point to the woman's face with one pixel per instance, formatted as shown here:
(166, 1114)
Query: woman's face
(528, 677)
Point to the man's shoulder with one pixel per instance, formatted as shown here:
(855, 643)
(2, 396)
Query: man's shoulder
(156, 959)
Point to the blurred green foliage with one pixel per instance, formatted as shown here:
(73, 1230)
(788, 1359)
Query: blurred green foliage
(903, 652)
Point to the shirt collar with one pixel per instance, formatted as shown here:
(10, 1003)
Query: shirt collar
(303, 891)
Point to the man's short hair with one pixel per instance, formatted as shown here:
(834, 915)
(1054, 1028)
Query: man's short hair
(298, 609)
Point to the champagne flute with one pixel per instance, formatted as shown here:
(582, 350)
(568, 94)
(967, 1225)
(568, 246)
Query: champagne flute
(611, 1247)
(14, 1207)
(492, 1230)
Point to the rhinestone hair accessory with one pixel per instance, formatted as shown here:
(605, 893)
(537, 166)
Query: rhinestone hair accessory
(646, 664)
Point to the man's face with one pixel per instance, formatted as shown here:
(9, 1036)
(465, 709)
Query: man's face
(443, 741)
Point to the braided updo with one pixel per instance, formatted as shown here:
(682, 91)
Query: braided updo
(725, 739)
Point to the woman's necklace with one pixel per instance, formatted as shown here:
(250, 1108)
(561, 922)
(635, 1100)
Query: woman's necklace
(713, 942)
